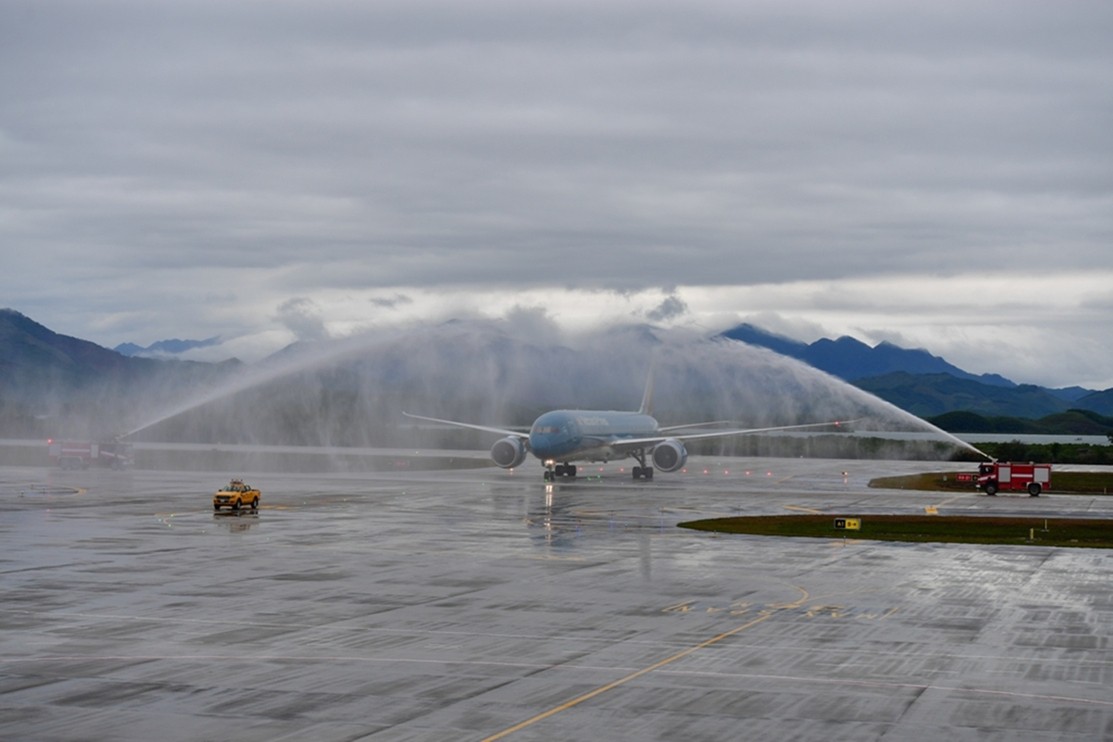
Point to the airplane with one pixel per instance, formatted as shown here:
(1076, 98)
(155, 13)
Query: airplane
(560, 437)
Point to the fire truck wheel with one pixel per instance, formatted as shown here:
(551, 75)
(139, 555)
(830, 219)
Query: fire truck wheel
(1034, 489)
(991, 489)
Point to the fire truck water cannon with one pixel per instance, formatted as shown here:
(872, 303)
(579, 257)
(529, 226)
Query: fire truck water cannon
(81, 454)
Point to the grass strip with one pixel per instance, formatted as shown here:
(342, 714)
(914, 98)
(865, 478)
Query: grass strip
(1070, 532)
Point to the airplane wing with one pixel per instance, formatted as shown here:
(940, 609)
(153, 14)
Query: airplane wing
(708, 424)
(632, 443)
(502, 431)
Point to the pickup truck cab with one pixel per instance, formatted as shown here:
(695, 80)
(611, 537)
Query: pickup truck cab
(235, 495)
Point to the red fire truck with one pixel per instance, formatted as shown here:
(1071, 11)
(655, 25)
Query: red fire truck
(83, 454)
(1005, 475)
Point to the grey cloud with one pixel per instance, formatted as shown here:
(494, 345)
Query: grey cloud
(532, 323)
(303, 318)
(612, 145)
(671, 308)
(398, 300)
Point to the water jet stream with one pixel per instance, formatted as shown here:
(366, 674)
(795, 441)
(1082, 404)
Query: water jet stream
(482, 371)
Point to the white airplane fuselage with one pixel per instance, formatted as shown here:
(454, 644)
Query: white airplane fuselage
(587, 435)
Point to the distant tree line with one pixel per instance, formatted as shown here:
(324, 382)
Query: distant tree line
(1071, 422)
(1051, 453)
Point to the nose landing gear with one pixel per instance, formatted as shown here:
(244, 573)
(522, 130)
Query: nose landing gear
(560, 470)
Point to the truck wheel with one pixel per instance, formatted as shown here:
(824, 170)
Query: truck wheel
(255, 504)
(236, 505)
(991, 489)
(216, 507)
(1034, 489)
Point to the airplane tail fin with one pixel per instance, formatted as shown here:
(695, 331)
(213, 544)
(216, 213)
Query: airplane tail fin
(647, 397)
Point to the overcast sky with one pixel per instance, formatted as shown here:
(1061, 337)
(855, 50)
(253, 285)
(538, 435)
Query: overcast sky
(938, 174)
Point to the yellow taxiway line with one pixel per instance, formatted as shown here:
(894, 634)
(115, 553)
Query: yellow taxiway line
(765, 616)
(802, 509)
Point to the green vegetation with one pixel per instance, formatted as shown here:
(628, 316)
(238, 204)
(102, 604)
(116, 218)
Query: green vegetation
(1071, 422)
(1072, 532)
(1074, 482)
(1054, 453)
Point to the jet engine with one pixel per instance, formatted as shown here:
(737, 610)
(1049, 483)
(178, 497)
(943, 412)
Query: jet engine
(509, 452)
(670, 455)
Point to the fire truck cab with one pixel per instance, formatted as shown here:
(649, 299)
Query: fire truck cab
(1005, 475)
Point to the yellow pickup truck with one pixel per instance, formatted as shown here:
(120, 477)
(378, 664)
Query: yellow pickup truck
(235, 495)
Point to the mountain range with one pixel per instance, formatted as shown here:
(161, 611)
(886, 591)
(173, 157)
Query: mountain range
(164, 348)
(44, 374)
(924, 384)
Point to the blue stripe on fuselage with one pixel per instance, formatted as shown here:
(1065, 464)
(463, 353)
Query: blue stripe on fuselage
(570, 435)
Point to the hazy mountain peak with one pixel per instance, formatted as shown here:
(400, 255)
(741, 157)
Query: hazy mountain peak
(160, 348)
(851, 359)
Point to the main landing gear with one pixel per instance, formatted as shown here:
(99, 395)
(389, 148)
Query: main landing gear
(560, 470)
(642, 471)
(569, 471)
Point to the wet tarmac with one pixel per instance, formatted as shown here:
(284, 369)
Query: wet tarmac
(481, 604)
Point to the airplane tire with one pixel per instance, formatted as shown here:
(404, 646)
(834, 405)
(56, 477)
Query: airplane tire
(648, 473)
